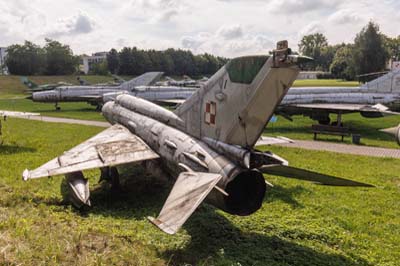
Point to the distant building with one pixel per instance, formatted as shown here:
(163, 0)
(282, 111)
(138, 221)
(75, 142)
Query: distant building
(3, 54)
(95, 58)
(309, 74)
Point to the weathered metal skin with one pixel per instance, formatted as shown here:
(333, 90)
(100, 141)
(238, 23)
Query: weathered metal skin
(193, 153)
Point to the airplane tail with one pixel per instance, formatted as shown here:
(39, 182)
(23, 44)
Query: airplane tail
(146, 79)
(29, 83)
(236, 103)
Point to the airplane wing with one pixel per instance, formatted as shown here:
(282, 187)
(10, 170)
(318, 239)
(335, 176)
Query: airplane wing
(264, 140)
(114, 146)
(189, 191)
(377, 109)
(146, 79)
(17, 114)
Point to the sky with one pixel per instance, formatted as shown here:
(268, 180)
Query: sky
(222, 27)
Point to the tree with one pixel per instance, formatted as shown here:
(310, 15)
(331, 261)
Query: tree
(312, 45)
(100, 68)
(392, 46)
(343, 64)
(27, 59)
(59, 59)
(370, 54)
(113, 61)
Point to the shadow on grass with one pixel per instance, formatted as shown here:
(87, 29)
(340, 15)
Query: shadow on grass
(285, 194)
(13, 149)
(216, 241)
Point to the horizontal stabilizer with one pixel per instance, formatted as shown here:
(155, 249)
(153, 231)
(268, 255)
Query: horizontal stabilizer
(264, 140)
(114, 146)
(298, 173)
(189, 191)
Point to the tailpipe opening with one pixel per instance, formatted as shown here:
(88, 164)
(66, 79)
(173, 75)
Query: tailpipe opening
(246, 193)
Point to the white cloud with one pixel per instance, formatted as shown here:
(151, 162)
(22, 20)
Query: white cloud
(311, 28)
(223, 27)
(300, 6)
(345, 16)
(228, 40)
(230, 32)
(78, 24)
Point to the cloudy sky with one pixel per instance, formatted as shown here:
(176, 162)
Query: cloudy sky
(222, 27)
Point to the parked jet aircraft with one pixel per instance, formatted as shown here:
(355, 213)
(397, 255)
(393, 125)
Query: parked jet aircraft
(94, 93)
(207, 144)
(377, 98)
(32, 86)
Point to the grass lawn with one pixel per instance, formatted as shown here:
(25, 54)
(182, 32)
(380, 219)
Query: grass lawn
(299, 223)
(69, 110)
(325, 83)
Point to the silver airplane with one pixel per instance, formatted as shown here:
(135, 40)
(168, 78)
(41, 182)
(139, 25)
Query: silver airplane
(92, 94)
(377, 98)
(207, 145)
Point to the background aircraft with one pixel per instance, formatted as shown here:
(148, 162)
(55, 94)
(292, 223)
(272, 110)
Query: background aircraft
(206, 145)
(92, 94)
(32, 86)
(377, 98)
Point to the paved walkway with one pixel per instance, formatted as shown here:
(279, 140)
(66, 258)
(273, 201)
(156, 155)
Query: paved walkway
(69, 121)
(343, 148)
(302, 144)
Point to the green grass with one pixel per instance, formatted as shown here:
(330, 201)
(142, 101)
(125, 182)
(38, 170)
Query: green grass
(299, 223)
(368, 128)
(77, 110)
(325, 83)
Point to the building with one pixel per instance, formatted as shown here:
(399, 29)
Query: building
(89, 61)
(3, 54)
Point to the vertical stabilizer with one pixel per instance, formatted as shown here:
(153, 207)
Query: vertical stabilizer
(235, 105)
(146, 79)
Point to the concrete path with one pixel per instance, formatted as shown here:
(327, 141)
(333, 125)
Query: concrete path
(302, 144)
(343, 148)
(69, 121)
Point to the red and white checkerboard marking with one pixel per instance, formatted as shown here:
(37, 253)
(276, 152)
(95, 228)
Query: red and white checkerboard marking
(211, 113)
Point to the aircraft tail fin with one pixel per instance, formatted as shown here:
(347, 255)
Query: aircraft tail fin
(146, 79)
(235, 104)
(189, 191)
(29, 83)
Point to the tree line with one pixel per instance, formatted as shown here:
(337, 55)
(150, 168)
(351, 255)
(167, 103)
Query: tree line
(30, 59)
(133, 61)
(55, 58)
(369, 53)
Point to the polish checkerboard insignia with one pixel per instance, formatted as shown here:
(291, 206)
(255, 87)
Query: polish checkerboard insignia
(211, 113)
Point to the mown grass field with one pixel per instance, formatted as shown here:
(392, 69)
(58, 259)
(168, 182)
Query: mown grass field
(325, 83)
(299, 223)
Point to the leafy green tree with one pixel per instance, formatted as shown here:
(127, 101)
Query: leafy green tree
(313, 45)
(26, 59)
(59, 59)
(100, 68)
(113, 61)
(370, 54)
(392, 45)
(343, 64)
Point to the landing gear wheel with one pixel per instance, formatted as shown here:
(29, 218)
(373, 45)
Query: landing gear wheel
(111, 175)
